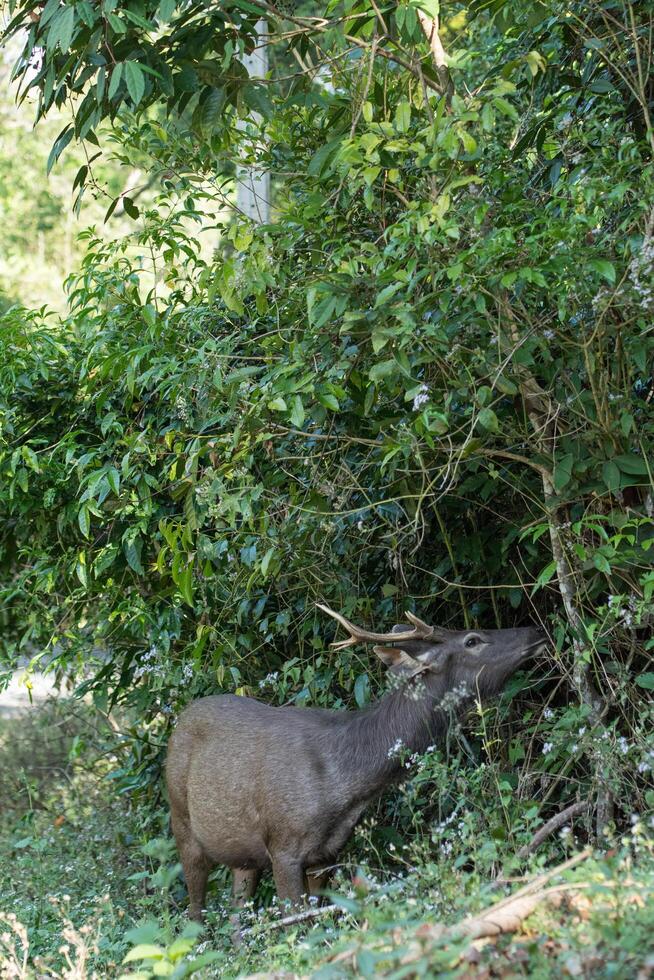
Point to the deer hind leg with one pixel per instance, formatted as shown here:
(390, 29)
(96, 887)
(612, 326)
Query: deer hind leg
(195, 865)
(316, 880)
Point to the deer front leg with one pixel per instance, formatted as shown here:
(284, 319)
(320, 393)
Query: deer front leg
(244, 885)
(316, 881)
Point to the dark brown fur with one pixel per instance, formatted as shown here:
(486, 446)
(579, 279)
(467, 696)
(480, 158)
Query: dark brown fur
(256, 787)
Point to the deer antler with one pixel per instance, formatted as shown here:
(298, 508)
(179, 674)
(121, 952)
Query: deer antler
(420, 631)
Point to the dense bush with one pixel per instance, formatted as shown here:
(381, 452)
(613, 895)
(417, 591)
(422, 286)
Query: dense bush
(427, 384)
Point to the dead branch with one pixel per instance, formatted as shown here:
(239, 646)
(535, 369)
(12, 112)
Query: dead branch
(303, 916)
(558, 820)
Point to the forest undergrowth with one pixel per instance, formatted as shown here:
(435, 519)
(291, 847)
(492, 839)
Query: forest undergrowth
(90, 885)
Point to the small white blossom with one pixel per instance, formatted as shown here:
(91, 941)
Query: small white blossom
(421, 398)
(548, 746)
(269, 679)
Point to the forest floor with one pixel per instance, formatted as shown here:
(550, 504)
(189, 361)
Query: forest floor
(91, 878)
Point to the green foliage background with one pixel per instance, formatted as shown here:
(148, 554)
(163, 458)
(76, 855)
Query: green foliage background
(426, 384)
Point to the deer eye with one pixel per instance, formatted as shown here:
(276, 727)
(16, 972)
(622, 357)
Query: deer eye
(472, 641)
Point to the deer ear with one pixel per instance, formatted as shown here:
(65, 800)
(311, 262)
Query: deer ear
(399, 661)
(434, 658)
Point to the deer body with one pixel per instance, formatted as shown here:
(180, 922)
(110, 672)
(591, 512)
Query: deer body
(257, 787)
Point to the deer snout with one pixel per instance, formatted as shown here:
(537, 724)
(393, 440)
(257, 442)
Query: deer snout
(537, 641)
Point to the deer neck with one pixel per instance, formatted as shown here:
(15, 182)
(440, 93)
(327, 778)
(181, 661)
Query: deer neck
(376, 742)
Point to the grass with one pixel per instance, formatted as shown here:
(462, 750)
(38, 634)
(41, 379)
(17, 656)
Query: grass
(91, 878)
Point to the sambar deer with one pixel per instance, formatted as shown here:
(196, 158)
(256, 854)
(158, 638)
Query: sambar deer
(253, 786)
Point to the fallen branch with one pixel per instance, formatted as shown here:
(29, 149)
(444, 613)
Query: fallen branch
(503, 917)
(303, 916)
(548, 828)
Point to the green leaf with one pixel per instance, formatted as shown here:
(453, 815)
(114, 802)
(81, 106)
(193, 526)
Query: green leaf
(563, 471)
(132, 548)
(488, 420)
(382, 370)
(297, 412)
(321, 157)
(212, 108)
(146, 951)
(646, 680)
(265, 561)
(329, 401)
(379, 339)
(277, 405)
(632, 464)
(165, 11)
(403, 116)
(111, 208)
(387, 293)
(430, 7)
(436, 421)
(59, 145)
(545, 575)
(185, 584)
(61, 29)
(83, 520)
(611, 476)
(605, 268)
(135, 81)
(130, 208)
(601, 563)
(362, 690)
(506, 108)
(114, 81)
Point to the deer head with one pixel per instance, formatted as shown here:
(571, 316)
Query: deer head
(447, 659)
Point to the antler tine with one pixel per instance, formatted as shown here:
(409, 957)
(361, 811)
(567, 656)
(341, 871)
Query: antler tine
(421, 625)
(357, 635)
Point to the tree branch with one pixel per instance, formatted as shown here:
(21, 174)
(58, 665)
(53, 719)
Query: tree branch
(430, 30)
(558, 820)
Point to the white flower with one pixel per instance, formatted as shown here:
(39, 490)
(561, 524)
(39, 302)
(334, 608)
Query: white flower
(623, 745)
(395, 749)
(421, 398)
(548, 747)
(548, 714)
(269, 679)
